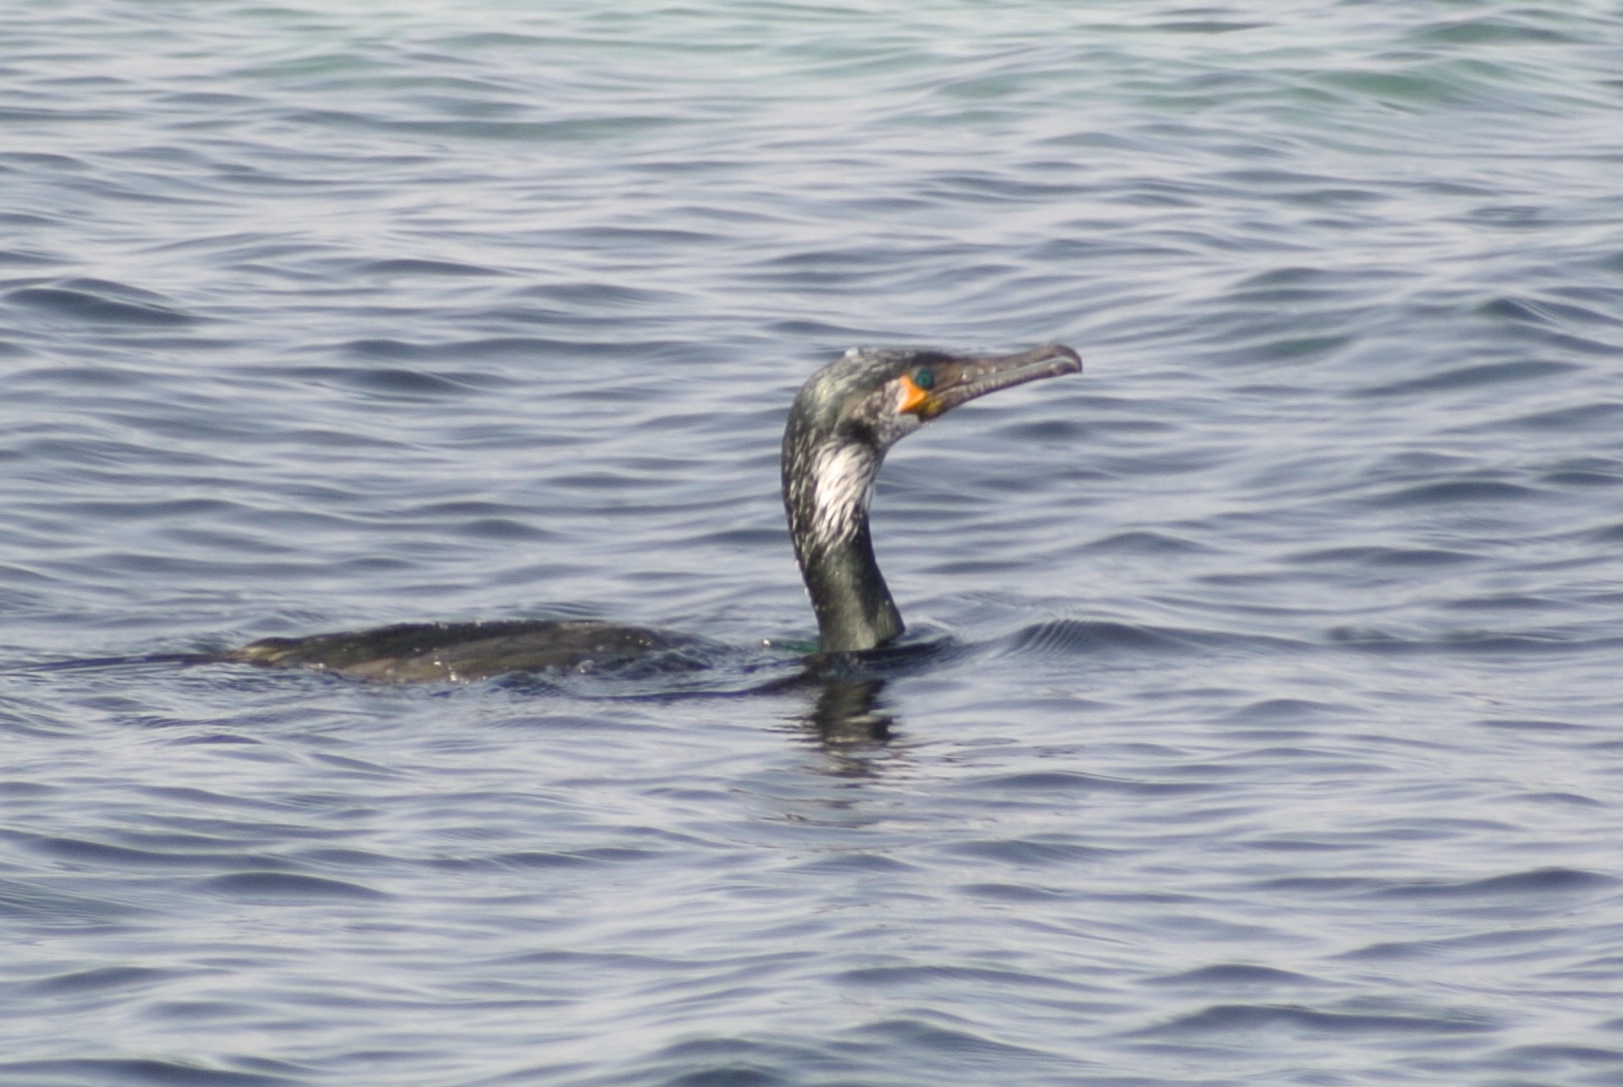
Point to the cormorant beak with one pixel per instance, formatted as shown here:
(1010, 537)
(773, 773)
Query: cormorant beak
(955, 381)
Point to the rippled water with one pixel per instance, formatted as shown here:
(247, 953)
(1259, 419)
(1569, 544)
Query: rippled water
(1270, 728)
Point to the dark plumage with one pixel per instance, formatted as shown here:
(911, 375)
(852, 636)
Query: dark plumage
(843, 421)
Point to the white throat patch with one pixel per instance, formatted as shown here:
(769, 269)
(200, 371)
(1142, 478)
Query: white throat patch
(844, 476)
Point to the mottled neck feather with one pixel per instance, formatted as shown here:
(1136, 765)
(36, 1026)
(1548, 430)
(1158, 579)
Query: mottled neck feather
(828, 485)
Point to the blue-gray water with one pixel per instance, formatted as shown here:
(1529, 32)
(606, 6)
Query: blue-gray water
(1276, 732)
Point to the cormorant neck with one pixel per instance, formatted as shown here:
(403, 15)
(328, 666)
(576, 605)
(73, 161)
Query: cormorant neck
(828, 485)
(843, 420)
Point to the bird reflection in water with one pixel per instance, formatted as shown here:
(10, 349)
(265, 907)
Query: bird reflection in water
(847, 715)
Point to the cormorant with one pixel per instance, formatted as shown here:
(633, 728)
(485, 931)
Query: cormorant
(843, 421)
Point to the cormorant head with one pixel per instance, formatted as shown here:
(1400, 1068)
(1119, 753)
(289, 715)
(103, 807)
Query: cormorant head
(854, 409)
(877, 396)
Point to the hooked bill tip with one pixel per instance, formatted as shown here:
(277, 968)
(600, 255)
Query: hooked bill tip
(1064, 357)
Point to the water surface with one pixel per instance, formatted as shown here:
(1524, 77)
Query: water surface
(1271, 729)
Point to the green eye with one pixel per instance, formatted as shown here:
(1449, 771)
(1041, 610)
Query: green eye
(924, 378)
